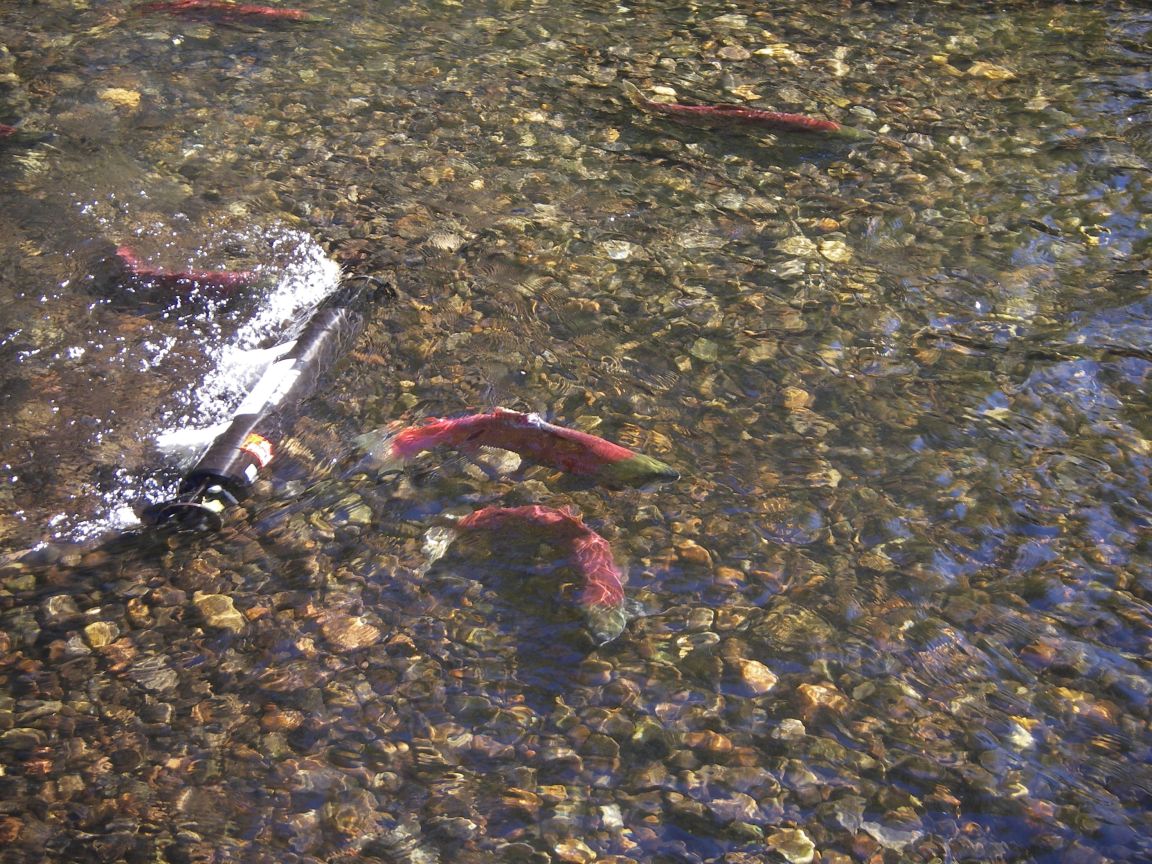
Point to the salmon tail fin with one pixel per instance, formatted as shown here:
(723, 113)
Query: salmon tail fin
(437, 539)
(633, 94)
(854, 133)
(430, 434)
(605, 623)
(376, 454)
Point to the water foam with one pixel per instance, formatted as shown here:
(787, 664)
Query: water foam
(235, 362)
(307, 278)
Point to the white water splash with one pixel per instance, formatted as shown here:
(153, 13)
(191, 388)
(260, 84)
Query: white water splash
(307, 279)
(119, 512)
(235, 362)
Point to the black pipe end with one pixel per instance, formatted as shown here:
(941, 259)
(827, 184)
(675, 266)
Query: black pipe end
(183, 516)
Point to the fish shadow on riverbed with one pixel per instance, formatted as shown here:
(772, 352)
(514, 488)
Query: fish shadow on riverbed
(711, 149)
(515, 604)
(667, 142)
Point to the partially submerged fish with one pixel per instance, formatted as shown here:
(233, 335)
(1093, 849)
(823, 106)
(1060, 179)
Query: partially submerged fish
(15, 135)
(225, 11)
(601, 597)
(534, 438)
(723, 114)
(138, 275)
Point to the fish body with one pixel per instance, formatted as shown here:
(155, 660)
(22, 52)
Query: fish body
(529, 435)
(601, 596)
(231, 11)
(723, 114)
(14, 135)
(183, 281)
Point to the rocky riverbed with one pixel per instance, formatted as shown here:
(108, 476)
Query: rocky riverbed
(896, 607)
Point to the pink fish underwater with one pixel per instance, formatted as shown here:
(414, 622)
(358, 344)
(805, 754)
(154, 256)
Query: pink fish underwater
(225, 11)
(722, 114)
(601, 597)
(17, 136)
(136, 274)
(532, 437)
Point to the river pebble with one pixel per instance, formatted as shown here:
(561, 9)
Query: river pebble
(219, 610)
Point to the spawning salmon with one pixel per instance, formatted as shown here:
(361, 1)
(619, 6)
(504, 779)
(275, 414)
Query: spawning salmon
(532, 437)
(724, 114)
(226, 11)
(601, 597)
(182, 281)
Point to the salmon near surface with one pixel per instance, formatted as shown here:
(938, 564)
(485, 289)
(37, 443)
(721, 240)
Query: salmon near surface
(722, 114)
(231, 11)
(532, 437)
(183, 281)
(602, 591)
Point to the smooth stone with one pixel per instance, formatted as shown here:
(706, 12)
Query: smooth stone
(99, 634)
(793, 844)
(797, 245)
(219, 611)
(755, 676)
(59, 610)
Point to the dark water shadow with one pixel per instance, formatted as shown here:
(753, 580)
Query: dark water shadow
(521, 596)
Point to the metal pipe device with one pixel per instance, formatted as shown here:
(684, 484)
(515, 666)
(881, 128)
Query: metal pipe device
(233, 461)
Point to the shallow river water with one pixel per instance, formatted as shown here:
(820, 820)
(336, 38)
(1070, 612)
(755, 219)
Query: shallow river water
(894, 610)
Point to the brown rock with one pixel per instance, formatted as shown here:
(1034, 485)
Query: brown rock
(98, 634)
(756, 678)
(522, 802)
(574, 851)
(219, 611)
(816, 697)
(120, 97)
(10, 828)
(349, 632)
(796, 846)
(708, 743)
(692, 552)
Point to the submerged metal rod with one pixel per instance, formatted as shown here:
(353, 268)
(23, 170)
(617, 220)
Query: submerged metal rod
(235, 458)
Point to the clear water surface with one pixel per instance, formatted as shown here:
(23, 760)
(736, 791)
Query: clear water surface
(896, 609)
